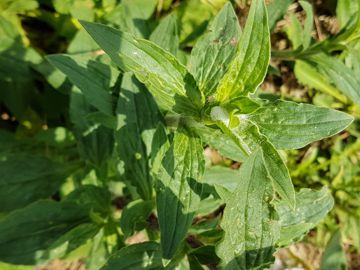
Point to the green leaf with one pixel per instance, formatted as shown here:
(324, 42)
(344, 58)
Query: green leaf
(95, 199)
(134, 216)
(345, 9)
(91, 76)
(345, 79)
(25, 179)
(290, 125)
(96, 142)
(276, 10)
(82, 43)
(247, 136)
(221, 142)
(166, 35)
(250, 229)
(70, 241)
(222, 176)
(26, 234)
(214, 51)
(295, 32)
(295, 223)
(132, 16)
(169, 82)
(334, 257)
(309, 76)
(177, 189)
(278, 173)
(193, 16)
(138, 118)
(145, 255)
(248, 68)
(308, 26)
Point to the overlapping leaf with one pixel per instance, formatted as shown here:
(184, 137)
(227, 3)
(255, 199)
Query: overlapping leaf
(145, 255)
(172, 86)
(248, 68)
(248, 138)
(214, 51)
(296, 222)
(250, 229)
(91, 76)
(138, 117)
(26, 178)
(177, 189)
(290, 125)
(26, 234)
(166, 35)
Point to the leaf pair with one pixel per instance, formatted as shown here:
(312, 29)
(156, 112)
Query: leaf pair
(255, 224)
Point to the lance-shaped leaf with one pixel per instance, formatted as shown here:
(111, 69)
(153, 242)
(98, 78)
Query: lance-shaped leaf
(248, 222)
(69, 241)
(278, 173)
(290, 125)
(172, 86)
(248, 68)
(221, 142)
(334, 257)
(308, 26)
(344, 78)
(90, 75)
(145, 255)
(166, 35)
(295, 223)
(276, 10)
(134, 215)
(96, 142)
(25, 179)
(308, 75)
(138, 117)
(212, 54)
(178, 189)
(247, 136)
(27, 234)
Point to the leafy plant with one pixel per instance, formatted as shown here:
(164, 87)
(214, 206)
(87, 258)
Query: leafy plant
(141, 114)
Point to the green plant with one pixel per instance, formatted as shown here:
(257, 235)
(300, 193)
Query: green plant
(329, 65)
(140, 133)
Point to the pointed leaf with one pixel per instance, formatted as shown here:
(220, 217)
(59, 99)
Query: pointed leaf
(221, 142)
(334, 257)
(145, 255)
(91, 76)
(345, 79)
(248, 68)
(290, 125)
(276, 10)
(134, 215)
(308, 26)
(172, 86)
(214, 51)
(70, 241)
(250, 230)
(138, 117)
(247, 136)
(96, 142)
(26, 234)
(295, 223)
(25, 179)
(278, 173)
(309, 76)
(177, 189)
(166, 35)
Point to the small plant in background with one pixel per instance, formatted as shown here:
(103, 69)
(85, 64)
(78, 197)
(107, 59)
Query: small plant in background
(130, 185)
